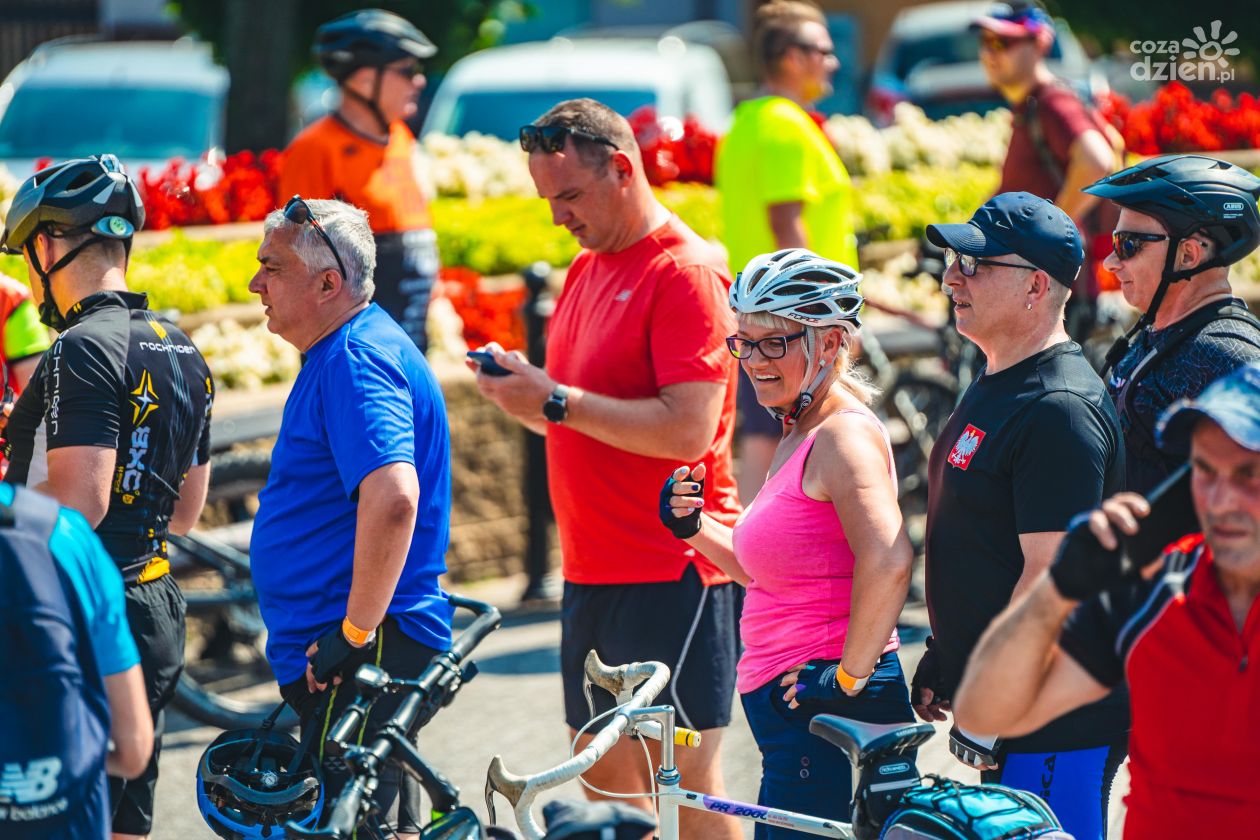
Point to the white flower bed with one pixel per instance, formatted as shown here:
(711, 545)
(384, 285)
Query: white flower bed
(246, 357)
(914, 140)
(474, 166)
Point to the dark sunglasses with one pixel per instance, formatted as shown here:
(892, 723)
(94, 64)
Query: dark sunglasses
(299, 212)
(967, 264)
(825, 52)
(1127, 243)
(550, 138)
(408, 71)
(772, 347)
(998, 43)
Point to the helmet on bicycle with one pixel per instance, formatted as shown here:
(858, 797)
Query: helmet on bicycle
(250, 782)
(1188, 194)
(368, 38)
(797, 284)
(86, 195)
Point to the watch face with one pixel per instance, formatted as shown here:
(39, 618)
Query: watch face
(555, 411)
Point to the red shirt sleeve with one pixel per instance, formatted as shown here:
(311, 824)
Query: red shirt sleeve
(1063, 118)
(689, 325)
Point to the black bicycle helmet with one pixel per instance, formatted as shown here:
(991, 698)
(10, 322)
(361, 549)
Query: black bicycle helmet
(76, 194)
(251, 782)
(368, 38)
(1192, 193)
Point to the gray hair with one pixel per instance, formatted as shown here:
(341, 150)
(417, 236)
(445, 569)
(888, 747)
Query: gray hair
(347, 227)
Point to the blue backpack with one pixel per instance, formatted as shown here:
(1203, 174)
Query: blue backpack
(947, 810)
(54, 714)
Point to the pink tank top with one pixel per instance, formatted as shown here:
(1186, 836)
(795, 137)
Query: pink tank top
(800, 567)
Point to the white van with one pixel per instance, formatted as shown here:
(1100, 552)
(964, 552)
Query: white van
(145, 102)
(498, 90)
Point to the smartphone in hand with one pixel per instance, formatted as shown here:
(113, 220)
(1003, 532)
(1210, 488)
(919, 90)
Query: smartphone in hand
(485, 360)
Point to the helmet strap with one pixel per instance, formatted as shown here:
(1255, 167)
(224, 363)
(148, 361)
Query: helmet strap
(49, 315)
(373, 103)
(806, 399)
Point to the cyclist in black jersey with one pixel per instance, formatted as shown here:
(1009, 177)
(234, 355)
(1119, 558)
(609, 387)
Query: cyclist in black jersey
(1183, 218)
(115, 421)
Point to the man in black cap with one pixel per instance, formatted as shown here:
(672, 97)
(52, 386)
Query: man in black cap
(1183, 633)
(1034, 441)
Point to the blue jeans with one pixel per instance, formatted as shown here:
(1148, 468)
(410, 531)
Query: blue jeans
(802, 772)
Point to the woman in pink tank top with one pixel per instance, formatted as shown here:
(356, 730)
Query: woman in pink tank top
(821, 550)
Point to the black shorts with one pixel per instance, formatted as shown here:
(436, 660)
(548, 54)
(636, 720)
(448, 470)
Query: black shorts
(155, 613)
(398, 793)
(692, 628)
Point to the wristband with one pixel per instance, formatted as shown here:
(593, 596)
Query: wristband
(354, 635)
(849, 682)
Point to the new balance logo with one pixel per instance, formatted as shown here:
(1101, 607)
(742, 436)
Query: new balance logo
(35, 784)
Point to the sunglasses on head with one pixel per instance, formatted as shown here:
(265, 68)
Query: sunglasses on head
(967, 264)
(551, 138)
(299, 212)
(1127, 243)
(772, 347)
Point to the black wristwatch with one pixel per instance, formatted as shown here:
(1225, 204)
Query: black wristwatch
(556, 408)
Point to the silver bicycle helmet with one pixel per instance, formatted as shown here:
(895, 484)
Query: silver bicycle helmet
(797, 284)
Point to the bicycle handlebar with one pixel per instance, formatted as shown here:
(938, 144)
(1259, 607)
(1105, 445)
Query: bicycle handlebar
(431, 692)
(634, 685)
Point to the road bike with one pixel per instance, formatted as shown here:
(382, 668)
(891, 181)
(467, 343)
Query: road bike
(884, 778)
(393, 741)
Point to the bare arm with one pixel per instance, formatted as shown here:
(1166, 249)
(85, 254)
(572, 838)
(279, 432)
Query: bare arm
(192, 498)
(131, 725)
(1038, 550)
(1089, 158)
(1018, 679)
(787, 225)
(389, 498)
(22, 369)
(849, 463)
(79, 477)
(679, 423)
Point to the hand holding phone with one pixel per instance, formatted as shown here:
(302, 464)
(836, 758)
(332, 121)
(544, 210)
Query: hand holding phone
(485, 360)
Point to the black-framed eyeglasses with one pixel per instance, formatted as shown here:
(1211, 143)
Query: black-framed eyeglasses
(550, 138)
(772, 347)
(967, 264)
(1127, 243)
(299, 212)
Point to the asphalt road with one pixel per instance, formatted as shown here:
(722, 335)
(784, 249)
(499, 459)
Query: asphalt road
(514, 709)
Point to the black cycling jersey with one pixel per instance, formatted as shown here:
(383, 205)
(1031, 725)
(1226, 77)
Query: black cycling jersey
(123, 378)
(1220, 347)
(1027, 448)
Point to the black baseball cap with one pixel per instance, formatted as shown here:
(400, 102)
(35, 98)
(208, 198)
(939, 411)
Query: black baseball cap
(1018, 223)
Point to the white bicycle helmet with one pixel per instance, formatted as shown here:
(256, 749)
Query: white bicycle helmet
(797, 284)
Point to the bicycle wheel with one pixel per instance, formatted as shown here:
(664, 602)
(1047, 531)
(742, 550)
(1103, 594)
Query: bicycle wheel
(226, 681)
(236, 477)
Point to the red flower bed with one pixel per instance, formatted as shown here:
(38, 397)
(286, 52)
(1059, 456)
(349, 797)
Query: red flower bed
(243, 188)
(488, 316)
(1175, 121)
(673, 149)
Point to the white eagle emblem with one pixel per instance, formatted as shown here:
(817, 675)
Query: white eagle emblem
(966, 446)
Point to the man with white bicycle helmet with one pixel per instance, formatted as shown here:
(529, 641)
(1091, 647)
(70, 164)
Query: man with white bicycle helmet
(1184, 219)
(821, 549)
(1033, 441)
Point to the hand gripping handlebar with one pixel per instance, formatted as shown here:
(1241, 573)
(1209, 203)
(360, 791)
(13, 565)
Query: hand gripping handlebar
(635, 686)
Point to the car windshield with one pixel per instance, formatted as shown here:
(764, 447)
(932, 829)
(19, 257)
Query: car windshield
(134, 123)
(953, 47)
(501, 113)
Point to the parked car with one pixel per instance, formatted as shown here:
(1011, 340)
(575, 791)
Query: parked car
(931, 58)
(498, 90)
(144, 101)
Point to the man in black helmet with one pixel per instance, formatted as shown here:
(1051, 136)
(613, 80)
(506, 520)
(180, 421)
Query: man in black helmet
(1184, 219)
(115, 421)
(362, 153)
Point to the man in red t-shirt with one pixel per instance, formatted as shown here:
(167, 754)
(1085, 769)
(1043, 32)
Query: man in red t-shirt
(638, 379)
(1058, 145)
(1184, 635)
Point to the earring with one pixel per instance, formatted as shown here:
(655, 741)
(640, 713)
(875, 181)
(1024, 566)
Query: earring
(1028, 306)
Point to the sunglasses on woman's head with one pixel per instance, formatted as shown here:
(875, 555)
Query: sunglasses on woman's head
(551, 138)
(772, 347)
(299, 212)
(1128, 243)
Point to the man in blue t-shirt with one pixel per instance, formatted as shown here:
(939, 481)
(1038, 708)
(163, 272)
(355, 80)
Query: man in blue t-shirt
(353, 525)
(57, 726)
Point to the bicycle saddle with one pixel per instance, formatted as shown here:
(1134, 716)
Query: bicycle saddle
(863, 742)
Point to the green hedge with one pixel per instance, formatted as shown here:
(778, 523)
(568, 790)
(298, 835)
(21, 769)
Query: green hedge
(503, 235)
